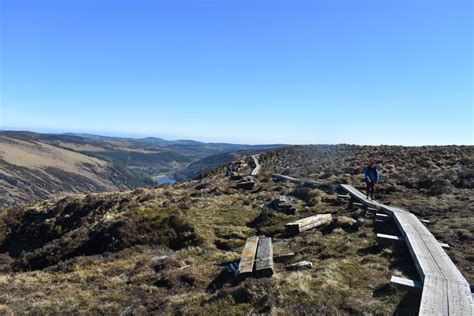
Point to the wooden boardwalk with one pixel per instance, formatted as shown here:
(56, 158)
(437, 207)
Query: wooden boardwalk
(445, 290)
(256, 170)
(304, 182)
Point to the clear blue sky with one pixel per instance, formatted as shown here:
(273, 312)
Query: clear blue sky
(365, 72)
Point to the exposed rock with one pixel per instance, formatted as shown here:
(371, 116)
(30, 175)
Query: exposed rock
(301, 265)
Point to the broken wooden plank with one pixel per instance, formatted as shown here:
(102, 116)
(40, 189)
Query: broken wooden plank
(264, 259)
(308, 223)
(248, 256)
(406, 283)
(389, 240)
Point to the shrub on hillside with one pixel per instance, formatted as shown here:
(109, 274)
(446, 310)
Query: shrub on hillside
(440, 186)
(305, 194)
(465, 179)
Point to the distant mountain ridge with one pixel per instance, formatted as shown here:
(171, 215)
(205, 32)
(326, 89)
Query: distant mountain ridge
(130, 162)
(168, 143)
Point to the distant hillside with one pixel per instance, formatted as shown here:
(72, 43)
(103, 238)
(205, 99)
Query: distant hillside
(31, 171)
(132, 162)
(200, 167)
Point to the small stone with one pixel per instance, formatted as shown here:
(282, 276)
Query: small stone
(301, 265)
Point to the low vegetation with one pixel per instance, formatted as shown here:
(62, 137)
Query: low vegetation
(161, 250)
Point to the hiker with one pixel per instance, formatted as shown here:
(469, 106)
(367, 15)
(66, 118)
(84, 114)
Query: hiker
(372, 177)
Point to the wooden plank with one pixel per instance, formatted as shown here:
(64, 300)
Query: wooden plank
(248, 256)
(420, 228)
(356, 205)
(359, 196)
(383, 217)
(437, 265)
(344, 196)
(305, 182)
(422, 257)
(459, 299)
(256, 170)
(385, 239)
(447, 267)
(434, 298)
(445, 290)
(444, 245)
(309, 222)
(406, 283)
(264, 260)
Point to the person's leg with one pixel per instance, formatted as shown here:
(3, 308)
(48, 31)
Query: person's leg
(368, 189)
(372, 190)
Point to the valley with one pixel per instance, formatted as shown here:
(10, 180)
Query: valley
(36, 166)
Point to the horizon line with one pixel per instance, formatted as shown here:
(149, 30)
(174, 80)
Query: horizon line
(144, 136)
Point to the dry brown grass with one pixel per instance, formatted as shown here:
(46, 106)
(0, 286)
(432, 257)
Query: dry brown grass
(350, 276)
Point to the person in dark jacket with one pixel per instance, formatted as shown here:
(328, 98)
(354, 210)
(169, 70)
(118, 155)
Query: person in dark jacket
(372, 177)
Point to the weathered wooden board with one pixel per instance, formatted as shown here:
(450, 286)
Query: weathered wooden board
(390, 240)
(445, 290)
(434, 299)
(343, 196)
(248, 256)
(406, 283)
(308, 223)
(264, 260)
(305, 182)
(256, 170)
(444, 245)
(383, 217)
(459, 302)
